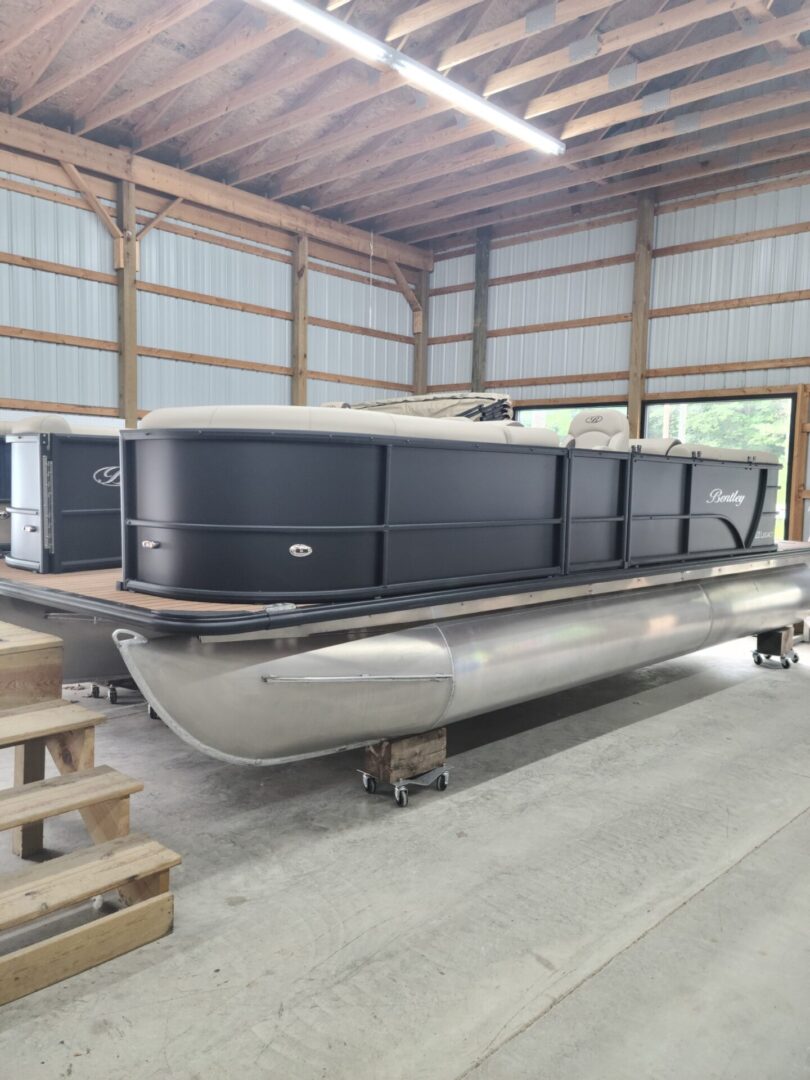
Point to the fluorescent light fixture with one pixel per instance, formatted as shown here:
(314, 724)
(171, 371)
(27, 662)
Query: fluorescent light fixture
(411, 71)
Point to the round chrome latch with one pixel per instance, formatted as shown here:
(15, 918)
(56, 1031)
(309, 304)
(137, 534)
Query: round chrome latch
(300, 551)
(150, 545)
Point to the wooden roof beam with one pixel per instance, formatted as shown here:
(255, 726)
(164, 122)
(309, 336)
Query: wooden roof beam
(59, 38)
(47, 13)
(29, 138)
(609, 41)
(144, 30)
(281, 78)
(635, 74)
(628, 140)
(247, 39)
(425, 14)
(641, 107)
(375, 85)
(537, 21)
(444, 221)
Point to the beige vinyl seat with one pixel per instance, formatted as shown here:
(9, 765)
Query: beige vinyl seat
(654, 446)
(345, 421)
(52, 424)
(599, 429)
(718, 453)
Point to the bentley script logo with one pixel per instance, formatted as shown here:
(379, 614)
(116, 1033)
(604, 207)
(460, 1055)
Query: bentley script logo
(594, 419)
(717, 495)
(108, 476)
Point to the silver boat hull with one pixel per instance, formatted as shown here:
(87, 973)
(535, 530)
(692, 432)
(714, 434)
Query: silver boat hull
(266, 699)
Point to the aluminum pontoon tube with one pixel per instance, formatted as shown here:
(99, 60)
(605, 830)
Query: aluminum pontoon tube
(264, 701)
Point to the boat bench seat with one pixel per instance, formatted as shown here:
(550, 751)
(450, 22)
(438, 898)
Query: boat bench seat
(344, 421)
(718, 453)
(52, 424)
(599, 429)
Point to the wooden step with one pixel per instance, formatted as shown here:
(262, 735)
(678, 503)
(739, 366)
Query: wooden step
(54, 719)
(30, 666)
(61, 794)
(47, 962)
(70, 879)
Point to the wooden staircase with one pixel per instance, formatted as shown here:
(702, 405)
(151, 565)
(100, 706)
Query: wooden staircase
(134, 866)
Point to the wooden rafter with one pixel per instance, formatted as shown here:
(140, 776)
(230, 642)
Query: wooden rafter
(537, 21)
(696, 121)
(168, 209)
(710, 160)
(247, 39)
(691, 92)
(602, 44)
(60, 33)
(636, 74)
(148, 27)
(107, 78)
(424, 15)
(39, 20)
(286, 76)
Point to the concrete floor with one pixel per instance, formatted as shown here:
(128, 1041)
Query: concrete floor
(616, 886)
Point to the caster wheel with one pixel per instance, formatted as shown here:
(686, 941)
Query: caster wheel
(442, 782)
(95, 691)
(757, 659)
(401, 797)
(767, 656)
(369, 785)
(785, 662)
(795, 658)
(151, 713)
(112, 695)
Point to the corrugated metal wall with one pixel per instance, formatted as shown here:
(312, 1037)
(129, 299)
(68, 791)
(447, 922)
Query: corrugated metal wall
(241, 313)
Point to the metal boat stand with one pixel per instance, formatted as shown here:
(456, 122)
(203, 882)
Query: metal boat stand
(413, 761)
(778, 644)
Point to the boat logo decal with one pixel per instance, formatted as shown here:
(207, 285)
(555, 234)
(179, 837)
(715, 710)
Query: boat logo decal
(597, 419)
(717, 495)
(300, 551)
(108, 476)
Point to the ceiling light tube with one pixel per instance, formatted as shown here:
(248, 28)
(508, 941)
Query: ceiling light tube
(375, 52)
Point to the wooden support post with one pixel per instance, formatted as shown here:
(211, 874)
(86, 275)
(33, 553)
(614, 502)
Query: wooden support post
(640, 316)
(126, 264)
(799, 461)
(420, 338)
(480, 308)
(300, 320)
(29, 766)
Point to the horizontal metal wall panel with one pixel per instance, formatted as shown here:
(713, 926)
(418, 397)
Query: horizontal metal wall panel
(587, 392)
(458, 271)
(163, 383)
(777, 264)
(319, 392)
(341, 353)
(451, 314)
(728, 380)
(52, 231)
(573, 247)
(61, 305)
(39, 371)
(184, 263)
(450, 363)
(186, 326)
(787, 206)
(342, 300)
(770, 332)
(560, 352)
(582, 295)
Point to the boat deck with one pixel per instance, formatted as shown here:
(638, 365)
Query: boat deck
(96, 592)
(102, 585)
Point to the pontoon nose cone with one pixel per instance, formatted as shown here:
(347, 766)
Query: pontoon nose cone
(261, 701)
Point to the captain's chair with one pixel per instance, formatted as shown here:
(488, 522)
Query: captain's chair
(599, 429)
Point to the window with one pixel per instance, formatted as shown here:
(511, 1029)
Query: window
(558, 419)
(740, 423)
